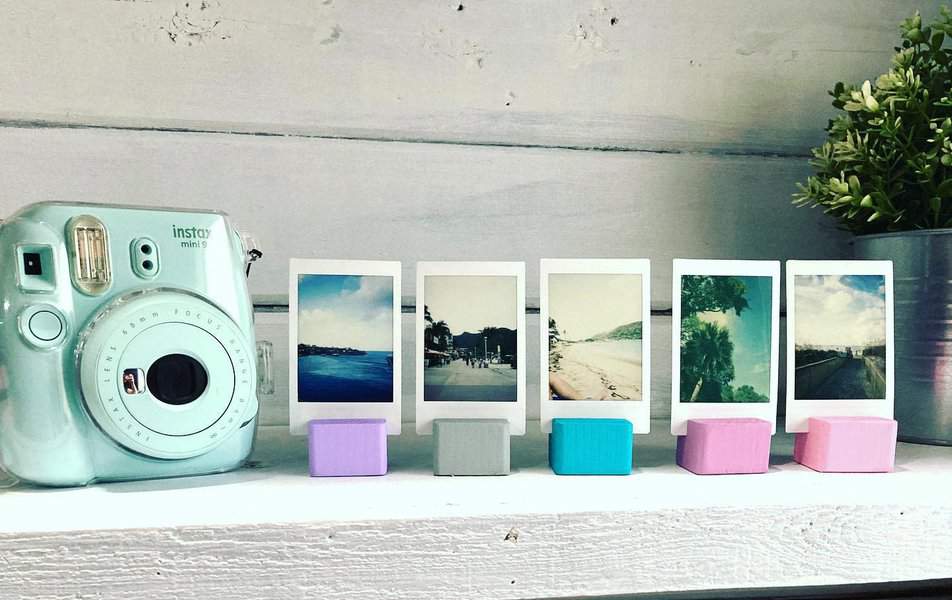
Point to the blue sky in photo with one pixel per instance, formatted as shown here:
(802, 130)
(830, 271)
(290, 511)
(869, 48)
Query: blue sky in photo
(353, 311)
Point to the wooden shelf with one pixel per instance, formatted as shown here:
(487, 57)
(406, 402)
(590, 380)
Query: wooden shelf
(531, 534)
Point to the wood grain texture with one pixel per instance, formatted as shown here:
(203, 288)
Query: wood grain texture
(410, 202)
(744, 76)
(273, 532)
(504, 556)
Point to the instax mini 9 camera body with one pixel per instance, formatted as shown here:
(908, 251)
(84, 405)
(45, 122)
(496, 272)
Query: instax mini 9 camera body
(126, 344)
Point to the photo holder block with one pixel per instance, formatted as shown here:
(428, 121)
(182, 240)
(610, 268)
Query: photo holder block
(591, 446)
(725, 446)
(470, 447)
(347, 447)
(848, 445)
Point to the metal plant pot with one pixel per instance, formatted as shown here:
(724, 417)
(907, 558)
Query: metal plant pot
(922, 263)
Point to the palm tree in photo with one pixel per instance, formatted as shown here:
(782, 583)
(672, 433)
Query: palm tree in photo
(441, 331)
(709, 356)
(553, 333)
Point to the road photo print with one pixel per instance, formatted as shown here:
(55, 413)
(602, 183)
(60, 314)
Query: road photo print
(840, 337)
(469, 338)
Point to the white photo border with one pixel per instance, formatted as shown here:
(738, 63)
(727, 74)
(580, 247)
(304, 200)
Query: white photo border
(514, 412)
(800, 411)
(636, 411)
(682, 411)
(302, 412)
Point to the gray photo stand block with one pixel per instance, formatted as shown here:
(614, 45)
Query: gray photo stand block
(470, 447)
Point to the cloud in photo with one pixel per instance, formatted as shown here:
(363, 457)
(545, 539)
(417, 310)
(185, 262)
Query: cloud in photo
(840, 310)
(346, 311)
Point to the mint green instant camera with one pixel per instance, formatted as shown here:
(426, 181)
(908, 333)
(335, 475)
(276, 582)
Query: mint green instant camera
(126, 344)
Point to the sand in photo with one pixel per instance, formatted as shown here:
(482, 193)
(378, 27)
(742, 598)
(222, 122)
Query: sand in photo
(345, 338)
(595, 345)
(725, 338)
(470, 338)
(840, 337)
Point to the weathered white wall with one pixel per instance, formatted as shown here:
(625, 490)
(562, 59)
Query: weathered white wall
(738, 76)
(510, 131)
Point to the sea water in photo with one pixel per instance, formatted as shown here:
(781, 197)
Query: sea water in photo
(346, 378)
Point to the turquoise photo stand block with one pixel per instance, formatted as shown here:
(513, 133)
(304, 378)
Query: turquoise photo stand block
(591, 446)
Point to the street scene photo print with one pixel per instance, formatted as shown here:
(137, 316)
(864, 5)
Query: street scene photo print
(469, 337)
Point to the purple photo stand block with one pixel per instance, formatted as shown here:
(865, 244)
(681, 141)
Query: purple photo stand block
(725, 446)
(848, 445)
(347, 447)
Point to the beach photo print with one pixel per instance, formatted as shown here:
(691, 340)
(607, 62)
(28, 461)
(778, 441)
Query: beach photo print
(470, 342)
(725, 340)
(344, 335)
(839, 340)
(595, 322)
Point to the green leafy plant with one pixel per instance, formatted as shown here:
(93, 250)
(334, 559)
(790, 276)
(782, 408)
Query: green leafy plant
(887, 162)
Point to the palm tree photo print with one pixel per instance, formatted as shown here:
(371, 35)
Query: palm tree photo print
(725, 338)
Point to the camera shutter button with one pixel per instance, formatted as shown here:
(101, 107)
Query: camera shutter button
(46, 326)
(43, 325)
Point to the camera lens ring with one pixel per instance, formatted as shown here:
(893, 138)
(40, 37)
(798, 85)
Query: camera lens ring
(160, 322)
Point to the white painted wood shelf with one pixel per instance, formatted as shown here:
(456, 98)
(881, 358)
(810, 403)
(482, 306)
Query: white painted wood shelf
(272, 529)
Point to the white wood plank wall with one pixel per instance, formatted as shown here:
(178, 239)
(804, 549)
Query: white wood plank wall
(446, 130)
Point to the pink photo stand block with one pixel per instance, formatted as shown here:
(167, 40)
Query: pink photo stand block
(725, 446)
(848, 445)
(347, 447)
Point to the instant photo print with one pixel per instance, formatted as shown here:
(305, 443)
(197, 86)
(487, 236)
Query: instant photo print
(595, 340)
(725, 336)
(839, 340)
(344, 338)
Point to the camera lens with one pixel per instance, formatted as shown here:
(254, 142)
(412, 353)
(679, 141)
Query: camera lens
(177, 379)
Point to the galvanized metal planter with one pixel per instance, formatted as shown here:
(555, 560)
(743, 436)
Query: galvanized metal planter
(922, 262)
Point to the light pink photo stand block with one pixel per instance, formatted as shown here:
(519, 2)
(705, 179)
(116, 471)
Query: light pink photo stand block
(848, 445)
(725, 446)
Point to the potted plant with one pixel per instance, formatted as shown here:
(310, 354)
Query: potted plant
(885, 173)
